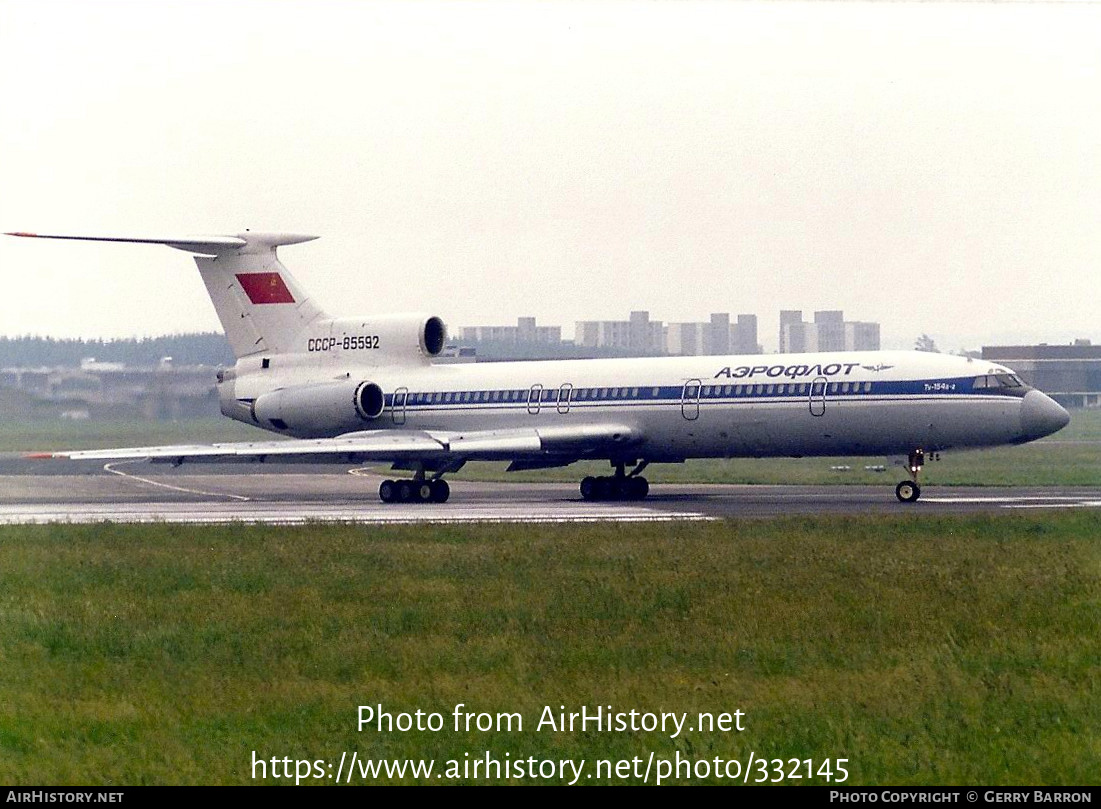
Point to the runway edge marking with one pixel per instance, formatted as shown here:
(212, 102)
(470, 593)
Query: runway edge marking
(109, 467)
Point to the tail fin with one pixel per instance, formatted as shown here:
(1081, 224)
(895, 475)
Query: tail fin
(260, 304)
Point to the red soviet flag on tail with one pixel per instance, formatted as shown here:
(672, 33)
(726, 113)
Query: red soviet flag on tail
(265, 287)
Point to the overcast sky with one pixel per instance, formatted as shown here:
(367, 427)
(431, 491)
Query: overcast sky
(935, 167)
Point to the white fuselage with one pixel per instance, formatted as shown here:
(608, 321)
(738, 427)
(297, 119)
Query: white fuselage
(837, 403)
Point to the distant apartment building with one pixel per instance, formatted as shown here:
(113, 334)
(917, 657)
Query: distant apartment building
(716, 336)
(828, 332)
(638, 335)
(793, 332)
(525, 331)
(743, 336)
(687, 339)
(861, 336)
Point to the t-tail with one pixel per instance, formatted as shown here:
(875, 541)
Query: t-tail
(265, 311)
(261, 306)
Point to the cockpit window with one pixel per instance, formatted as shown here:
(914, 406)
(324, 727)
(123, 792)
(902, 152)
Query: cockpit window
(999, 381)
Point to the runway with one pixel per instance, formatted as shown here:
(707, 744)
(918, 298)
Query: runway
(64, 491)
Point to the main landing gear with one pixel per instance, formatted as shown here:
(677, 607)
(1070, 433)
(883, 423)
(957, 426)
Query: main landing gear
(620, 486)
(908, 491)
(414, 491)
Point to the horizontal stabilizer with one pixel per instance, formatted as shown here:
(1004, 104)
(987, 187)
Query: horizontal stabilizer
(205, 245)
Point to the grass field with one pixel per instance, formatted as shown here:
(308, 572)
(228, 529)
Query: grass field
(925, 651)
(56, 434)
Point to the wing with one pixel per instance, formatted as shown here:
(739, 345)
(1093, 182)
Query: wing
(551, 446)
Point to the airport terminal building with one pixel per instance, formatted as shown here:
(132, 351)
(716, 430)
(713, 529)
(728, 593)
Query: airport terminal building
(1070, 374)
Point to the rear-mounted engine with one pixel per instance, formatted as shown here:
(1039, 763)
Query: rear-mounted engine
(329, 407)
(369, 401)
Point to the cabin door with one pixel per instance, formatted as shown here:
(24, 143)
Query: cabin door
(535, 399)
(690, 400)
(818, 396)
(564, 394)
(397, 406)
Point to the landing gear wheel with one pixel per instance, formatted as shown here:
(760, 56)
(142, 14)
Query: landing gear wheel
(603, 488)
(414, 491)
(615, 488)
(907, 492)
(387, 491)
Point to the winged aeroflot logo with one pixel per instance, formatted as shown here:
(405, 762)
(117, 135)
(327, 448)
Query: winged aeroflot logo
(878, 367)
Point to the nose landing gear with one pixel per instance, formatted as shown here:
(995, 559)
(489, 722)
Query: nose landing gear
(908, 491)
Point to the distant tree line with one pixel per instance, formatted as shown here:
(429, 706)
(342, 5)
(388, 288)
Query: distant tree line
(207, 348)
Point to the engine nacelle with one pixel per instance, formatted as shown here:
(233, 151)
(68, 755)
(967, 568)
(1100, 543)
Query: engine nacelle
(387, 339)
(328, 407)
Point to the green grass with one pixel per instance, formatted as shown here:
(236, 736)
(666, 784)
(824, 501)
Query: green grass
(57, 434)
(926, 651)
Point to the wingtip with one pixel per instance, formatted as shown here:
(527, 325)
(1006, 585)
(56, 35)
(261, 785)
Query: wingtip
(21, 233)
(38, 456)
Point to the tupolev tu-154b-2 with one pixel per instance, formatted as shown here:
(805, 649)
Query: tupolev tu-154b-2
(354, 390)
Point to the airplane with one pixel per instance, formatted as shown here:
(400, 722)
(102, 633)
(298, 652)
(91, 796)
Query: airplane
(357, 390)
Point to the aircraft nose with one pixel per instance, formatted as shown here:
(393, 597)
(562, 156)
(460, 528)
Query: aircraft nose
(1041, 415)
